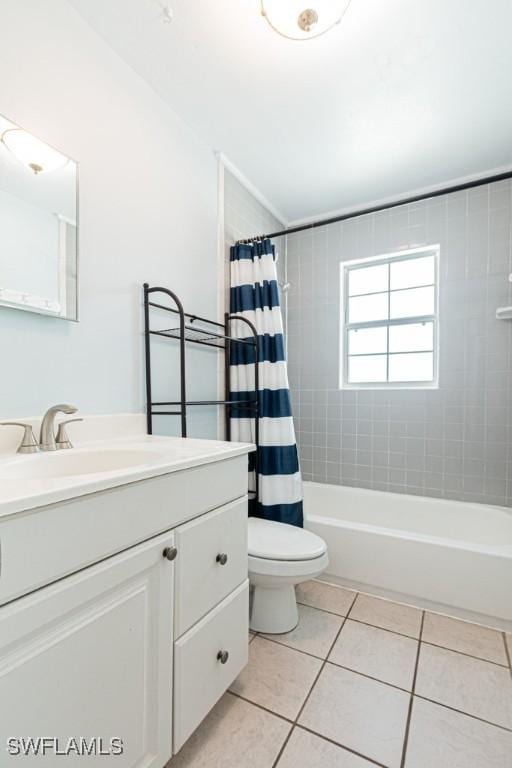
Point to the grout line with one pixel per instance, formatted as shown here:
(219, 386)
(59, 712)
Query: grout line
(466, 714)
(301, 709)
(411, 637)
(299, 650)
(352, 606)
(322, 666)
(411, 700)
(323, 610)
(283, 746)
(276, 714)
(339, 744)
(260, 706)
(295, 724)
(327, 660)
(384, 629)
(369, 677)
(364, 674)
(468, 655)
(342, 746)
(507, 654)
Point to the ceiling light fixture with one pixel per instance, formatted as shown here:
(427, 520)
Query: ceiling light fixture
(32, 152)
(290, 19)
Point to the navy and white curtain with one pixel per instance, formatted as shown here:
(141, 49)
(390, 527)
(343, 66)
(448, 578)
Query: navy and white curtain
(254, 295)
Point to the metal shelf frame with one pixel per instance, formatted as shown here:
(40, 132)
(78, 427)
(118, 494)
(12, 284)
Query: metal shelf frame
(217, 335)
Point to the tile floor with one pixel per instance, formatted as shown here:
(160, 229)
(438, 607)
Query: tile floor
(364, 682)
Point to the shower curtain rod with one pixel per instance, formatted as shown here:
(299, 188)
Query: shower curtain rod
(384, 206)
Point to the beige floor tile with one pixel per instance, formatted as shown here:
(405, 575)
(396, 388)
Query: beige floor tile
(383, 613)
(440, 738)
(277, 677)
(376, 652)
(305, 750)
(327, 597)
(508, 640)
(231, 736)
(465, 637)
(361, 714)
(314, 634)
(472, 686)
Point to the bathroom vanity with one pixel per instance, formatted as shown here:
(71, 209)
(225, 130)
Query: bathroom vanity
(123, 594)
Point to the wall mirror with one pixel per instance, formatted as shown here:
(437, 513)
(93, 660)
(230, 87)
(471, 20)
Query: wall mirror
(38, 225)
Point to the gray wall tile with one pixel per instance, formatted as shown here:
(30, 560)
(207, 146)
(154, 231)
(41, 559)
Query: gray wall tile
(453, 442)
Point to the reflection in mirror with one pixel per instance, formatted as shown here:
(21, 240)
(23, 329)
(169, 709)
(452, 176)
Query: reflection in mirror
(38, 225)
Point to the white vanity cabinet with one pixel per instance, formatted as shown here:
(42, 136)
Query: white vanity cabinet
(133, 645)
(91, 656)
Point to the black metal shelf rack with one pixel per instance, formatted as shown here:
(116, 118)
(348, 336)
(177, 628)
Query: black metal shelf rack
(217, 335)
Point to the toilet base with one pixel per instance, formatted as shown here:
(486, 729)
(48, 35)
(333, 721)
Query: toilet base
(274, 610)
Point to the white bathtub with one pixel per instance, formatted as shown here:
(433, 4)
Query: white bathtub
(450, 556)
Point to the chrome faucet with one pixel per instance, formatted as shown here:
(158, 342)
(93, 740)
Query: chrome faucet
(47, 436)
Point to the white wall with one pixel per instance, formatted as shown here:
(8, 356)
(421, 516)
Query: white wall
(148, 201)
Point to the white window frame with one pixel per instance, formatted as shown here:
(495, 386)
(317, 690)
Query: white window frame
(345, 326)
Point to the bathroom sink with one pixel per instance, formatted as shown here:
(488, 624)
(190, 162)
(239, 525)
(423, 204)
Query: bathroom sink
(76, 462)
(34, 480)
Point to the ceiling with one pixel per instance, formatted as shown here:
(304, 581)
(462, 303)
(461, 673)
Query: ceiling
(403, 95)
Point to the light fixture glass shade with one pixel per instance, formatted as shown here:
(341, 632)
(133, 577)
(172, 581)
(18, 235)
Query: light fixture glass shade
(303, 19)
(32, 152)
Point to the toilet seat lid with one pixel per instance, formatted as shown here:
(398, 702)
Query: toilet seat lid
(279, 541)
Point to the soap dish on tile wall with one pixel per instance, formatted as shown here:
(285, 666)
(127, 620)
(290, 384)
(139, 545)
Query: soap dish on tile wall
(505, 313)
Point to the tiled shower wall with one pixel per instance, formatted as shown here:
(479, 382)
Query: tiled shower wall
(453, 442)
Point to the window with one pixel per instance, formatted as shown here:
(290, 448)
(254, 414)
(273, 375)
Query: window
(389, 320)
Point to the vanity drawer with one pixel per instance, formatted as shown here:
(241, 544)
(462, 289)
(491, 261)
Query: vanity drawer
(212, 560)
(200, 676)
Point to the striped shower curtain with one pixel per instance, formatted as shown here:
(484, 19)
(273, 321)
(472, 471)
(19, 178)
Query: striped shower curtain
(254, 295)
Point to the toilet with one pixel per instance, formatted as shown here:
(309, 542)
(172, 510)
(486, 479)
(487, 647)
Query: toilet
(280, 556)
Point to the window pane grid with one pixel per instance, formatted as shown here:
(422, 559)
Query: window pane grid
(391, 290)
(364, 372)
(406, 353)
(387, 358)
(394, 321)
(390, 354)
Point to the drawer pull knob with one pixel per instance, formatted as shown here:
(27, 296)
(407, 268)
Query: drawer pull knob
(222, 656)
(170, 553)
(222, 559)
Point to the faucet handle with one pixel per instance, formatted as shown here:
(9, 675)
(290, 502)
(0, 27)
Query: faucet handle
(28, 443)
(62, 440)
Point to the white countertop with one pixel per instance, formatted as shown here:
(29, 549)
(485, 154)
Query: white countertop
(24, 487)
